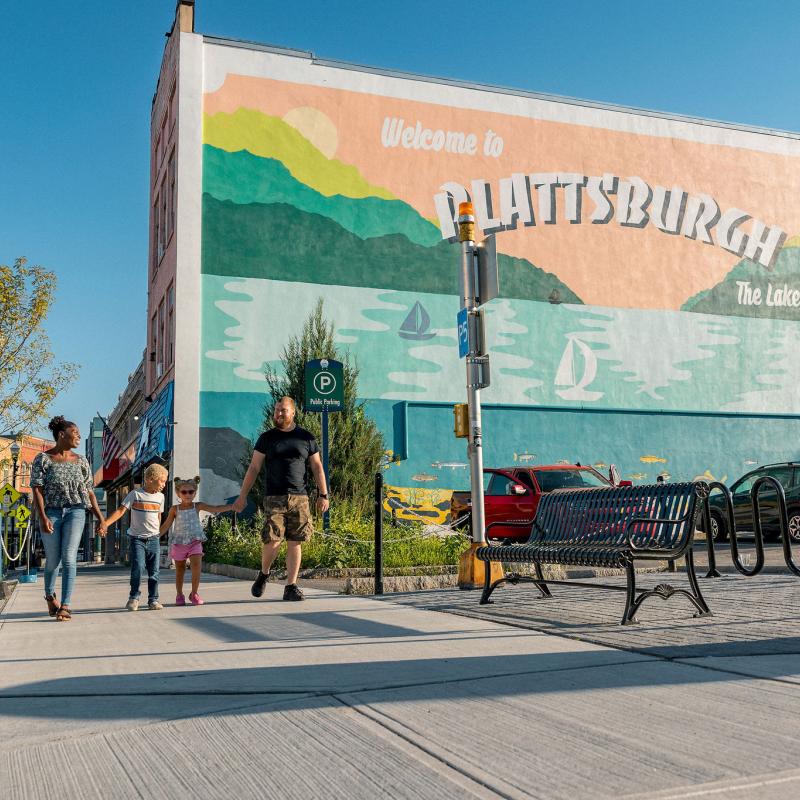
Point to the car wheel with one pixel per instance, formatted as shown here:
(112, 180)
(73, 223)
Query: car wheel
(719, 528)
(794, 526)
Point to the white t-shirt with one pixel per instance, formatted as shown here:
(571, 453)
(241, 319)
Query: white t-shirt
(145, 511)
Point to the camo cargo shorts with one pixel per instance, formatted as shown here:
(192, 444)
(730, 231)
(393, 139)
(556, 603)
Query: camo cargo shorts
(287, 516)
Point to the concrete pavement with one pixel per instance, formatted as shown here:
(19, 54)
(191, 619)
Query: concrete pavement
(354, 697)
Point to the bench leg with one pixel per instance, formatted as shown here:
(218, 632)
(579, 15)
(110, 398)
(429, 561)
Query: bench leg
(488, 587)
(697, 599)
(513, 578)
(541, 585)
(664, 591)
(631, 604)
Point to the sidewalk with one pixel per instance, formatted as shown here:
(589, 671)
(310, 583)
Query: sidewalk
(355, 697)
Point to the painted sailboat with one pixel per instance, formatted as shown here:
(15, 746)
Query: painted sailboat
(567, 375)
(415, 325)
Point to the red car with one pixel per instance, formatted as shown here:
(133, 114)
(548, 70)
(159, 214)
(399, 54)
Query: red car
(511, 494)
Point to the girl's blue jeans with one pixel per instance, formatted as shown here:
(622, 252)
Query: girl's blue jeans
(61, 548)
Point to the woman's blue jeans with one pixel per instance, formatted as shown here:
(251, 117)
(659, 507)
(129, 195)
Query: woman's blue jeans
(61, 548)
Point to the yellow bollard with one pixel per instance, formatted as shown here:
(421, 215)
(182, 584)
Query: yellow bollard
(471, 572)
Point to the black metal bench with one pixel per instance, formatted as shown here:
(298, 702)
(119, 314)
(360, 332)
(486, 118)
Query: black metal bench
(608, 527)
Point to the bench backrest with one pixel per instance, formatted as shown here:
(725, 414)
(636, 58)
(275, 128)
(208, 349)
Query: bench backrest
(602, 516)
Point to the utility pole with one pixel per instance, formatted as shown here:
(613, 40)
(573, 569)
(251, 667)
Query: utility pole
(479, 284)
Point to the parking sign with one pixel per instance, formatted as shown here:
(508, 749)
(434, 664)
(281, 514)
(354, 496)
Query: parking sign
(324, 379)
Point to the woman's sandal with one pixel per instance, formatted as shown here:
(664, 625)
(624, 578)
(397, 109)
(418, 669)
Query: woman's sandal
(63, 614)
(52, 605)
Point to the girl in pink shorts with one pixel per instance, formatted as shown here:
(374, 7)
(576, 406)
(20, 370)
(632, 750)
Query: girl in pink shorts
(187, 536)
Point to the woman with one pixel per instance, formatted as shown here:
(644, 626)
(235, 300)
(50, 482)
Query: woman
(62, 488)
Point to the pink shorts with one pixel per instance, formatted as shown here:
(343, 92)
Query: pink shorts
(180, 552)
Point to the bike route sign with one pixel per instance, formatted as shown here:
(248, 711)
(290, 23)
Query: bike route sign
(324, 385)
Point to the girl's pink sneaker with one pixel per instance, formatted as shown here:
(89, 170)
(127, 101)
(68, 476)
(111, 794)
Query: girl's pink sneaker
(195, 599)
(180, 600)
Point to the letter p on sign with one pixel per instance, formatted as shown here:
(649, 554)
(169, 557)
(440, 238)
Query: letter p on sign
(324, 382)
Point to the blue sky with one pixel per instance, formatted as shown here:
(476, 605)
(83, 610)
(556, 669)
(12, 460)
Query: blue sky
(78, 80)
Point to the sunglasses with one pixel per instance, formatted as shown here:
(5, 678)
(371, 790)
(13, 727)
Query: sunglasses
(186, 491)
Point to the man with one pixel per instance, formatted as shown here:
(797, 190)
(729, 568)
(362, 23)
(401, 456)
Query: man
(287, 449)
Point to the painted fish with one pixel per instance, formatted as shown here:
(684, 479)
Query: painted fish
(750, 462)
(525, 456)
(563, 461)
(449, 465)
(665, 475)
(601, 465)
(707, 476)
(424, 476)
(652, 460)
(638, 476)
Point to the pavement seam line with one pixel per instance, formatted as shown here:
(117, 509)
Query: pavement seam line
(399, 731)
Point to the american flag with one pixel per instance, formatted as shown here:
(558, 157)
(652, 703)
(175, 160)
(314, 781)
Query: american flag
(112, 449)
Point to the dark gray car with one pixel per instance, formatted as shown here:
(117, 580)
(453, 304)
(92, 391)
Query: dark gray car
(789, 476)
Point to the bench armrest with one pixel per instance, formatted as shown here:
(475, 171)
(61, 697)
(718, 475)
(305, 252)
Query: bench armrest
(664, 552)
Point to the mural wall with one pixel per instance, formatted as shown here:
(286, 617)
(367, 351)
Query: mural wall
(646, 276)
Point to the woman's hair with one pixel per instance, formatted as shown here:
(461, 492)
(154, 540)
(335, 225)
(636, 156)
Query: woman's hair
(59, 424)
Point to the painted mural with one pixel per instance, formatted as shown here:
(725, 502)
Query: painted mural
(639, 273)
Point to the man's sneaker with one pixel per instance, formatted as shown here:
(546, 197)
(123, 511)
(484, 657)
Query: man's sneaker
(132, 604)
(195, 599)
(180, 600)
(292, 592)
(257, 589)
(154, 605)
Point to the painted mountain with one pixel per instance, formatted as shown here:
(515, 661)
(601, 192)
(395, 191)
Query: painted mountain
(724, 298)
(275, 207)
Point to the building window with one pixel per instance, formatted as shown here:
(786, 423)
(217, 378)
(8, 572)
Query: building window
(156, 235)
(171, 209)
(163, 232)
(170, 325)
(173, 108)
(161, 342)
(153, 349)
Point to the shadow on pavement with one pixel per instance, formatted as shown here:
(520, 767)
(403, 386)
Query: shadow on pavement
(407, 680)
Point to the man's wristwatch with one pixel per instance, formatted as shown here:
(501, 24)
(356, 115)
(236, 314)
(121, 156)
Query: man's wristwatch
(324, 496)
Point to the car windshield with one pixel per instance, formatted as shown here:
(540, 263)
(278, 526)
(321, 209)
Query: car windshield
(551, 479)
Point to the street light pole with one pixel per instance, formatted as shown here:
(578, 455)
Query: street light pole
(15, 448)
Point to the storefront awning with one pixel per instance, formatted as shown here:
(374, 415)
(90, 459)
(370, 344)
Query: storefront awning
(155, 431)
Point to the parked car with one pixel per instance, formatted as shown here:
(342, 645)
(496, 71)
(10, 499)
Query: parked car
(512, 494)
(789, 476)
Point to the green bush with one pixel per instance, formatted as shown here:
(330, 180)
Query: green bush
(350, 543)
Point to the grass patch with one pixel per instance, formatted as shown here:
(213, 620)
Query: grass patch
(349, 543)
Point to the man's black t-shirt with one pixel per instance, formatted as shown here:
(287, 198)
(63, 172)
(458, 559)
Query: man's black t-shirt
(286, 455)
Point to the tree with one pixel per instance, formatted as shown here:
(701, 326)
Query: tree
(356, 444)
(29, 378)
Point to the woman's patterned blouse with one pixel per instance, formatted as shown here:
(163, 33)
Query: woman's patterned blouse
(64, 483)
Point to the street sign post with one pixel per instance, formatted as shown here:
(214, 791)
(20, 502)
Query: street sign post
(479, 284)
(324, 384)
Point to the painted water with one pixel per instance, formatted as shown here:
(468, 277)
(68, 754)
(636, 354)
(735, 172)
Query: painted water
(541, 353)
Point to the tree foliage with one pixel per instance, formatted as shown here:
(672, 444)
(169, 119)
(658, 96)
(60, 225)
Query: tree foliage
(355, 444)
(29, 377)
